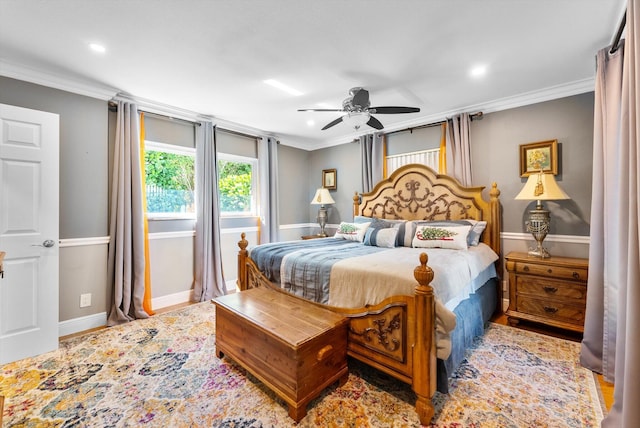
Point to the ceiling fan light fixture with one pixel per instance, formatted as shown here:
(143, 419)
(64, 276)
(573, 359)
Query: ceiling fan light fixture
(357, 118)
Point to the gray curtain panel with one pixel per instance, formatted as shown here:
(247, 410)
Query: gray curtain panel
(209, 281)
(459, 149)
(611, 343)
(268, 170)
(126, 262)
(371, 159)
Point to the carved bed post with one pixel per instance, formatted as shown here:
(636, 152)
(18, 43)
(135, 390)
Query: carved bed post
(356, 204)
(242, 263)
(496, 227)
(496, 244)
(424, 355)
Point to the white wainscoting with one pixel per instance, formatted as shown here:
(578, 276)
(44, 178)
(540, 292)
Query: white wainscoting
(83, 265)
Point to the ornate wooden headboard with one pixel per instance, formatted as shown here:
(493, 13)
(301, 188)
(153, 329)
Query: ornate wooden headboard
(416, 192)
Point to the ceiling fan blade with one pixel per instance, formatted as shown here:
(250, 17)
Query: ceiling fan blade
(394, 110)
(320, 109)
(374, 123)
(333, 123)
(361, 98)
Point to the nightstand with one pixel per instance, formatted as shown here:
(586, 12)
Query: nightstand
(551, 291)
(305, 237)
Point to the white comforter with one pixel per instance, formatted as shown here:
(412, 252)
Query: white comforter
(367, 280)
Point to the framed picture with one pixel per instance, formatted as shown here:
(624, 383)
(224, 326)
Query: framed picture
(535, 157)
(329, 179)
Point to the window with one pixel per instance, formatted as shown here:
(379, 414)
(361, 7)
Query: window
(429, 158)
(237, 185)
(170, 180)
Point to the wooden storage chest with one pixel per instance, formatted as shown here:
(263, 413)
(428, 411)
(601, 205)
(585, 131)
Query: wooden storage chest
(294, 347)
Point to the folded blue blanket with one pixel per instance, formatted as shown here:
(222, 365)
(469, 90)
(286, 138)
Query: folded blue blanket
(304, 267)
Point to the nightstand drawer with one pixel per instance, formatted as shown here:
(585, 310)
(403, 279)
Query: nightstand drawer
(559, 272)
(542, 287)
(552, 310)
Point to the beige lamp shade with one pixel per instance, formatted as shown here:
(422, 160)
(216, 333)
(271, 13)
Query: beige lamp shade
(322, 197)
(541, 187)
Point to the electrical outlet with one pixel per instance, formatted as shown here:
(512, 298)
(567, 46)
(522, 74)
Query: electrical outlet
(85, 300)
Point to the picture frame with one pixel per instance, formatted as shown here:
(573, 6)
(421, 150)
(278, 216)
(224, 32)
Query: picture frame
(330, 179)
(535, 157)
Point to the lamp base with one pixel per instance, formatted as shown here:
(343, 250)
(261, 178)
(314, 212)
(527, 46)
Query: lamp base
(538, 226)
(539, 251)
(322, 220)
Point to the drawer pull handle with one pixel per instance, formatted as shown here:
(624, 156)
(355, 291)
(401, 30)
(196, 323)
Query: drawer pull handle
(324, 352)
(550, 289)
(549, 270)
(526, 269)
(550, 310)
(576, 275)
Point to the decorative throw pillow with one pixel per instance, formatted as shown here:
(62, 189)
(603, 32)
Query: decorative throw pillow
(454, 238)
(473, 238)
(381, 236)
(351, 231)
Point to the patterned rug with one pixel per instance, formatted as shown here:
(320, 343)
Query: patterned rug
(162, 372)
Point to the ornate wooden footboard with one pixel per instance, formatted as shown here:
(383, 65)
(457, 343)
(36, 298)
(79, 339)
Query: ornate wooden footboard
(397, 335)
(389, 336)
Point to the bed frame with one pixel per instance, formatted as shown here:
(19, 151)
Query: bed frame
(397, 336)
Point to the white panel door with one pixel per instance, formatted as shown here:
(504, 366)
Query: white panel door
(28, 232)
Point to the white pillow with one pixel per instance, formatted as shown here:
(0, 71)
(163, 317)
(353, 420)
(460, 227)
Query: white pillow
(454, 238)
(351, 231)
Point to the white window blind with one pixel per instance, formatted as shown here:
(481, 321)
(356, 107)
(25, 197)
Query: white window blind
(424, 157)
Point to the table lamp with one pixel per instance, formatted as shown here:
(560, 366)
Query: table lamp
(540, 187)
(322, 198)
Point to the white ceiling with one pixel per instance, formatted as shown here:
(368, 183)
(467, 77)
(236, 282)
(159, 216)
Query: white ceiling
(211, 57)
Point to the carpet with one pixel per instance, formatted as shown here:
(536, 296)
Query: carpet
(162, 372)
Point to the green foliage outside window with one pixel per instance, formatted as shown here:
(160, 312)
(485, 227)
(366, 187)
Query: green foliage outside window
(234, 186)
(170, 180)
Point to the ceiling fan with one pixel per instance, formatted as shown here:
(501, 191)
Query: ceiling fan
(358, 110)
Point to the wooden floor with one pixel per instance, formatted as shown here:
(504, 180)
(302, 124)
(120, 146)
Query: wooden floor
(606, 387)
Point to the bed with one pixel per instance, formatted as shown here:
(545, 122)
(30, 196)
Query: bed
(396, 333)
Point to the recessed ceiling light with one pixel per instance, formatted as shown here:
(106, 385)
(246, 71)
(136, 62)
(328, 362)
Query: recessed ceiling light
(96, 47)
(478, 70)
(311, 122)
(283, 87)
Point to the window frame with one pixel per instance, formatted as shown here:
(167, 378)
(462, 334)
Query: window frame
(150, 145)
(255, 209)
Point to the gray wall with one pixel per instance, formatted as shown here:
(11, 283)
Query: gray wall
(495, 141)
(495, 157)
(83, 153)
(345, 159)
(86, 134)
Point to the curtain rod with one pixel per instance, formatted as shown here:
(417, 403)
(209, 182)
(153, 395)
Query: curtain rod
(616, 40)
(114, 107)
(477, 115)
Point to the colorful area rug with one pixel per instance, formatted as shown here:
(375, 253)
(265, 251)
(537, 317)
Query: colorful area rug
(162, 372)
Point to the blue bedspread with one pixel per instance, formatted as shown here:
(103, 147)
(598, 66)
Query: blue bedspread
(303, 267)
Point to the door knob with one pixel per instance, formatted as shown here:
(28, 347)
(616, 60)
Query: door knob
(47, 243)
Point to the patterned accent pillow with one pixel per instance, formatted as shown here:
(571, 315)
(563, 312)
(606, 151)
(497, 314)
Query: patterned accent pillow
(381, 237)
(351, 231)
(475, 233)
(454, 238)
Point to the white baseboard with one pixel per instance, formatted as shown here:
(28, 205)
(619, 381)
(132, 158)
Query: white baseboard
(172, 299)
(76, 325)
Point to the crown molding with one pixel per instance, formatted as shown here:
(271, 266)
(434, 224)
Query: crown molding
(520, 100)
(76, 86)
(94, 90)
